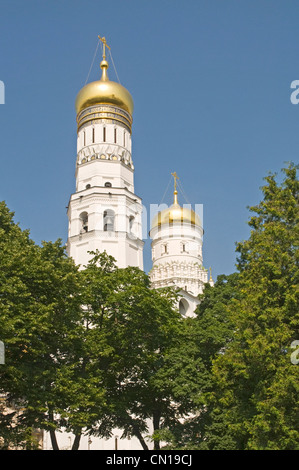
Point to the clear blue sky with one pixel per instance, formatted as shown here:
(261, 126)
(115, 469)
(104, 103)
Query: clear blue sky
(210, 81)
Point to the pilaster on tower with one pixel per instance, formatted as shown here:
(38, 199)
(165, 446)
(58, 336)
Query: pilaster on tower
(104, 213)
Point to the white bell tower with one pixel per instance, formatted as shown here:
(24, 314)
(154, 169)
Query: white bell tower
(104, 213)
(177, 237)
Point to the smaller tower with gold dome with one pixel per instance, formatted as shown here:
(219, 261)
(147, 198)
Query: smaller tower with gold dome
(177, 237)
(104, 212)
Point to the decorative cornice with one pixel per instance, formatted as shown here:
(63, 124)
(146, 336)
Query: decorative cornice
(105, 152)
(95, 193)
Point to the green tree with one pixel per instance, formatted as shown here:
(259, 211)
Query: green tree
(142, 333)
(39, 315)
(147, 331)
(84, 381)
(207, 336)
(256, 384)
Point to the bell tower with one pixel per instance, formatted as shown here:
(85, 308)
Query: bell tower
(104, 213)
(177, 238)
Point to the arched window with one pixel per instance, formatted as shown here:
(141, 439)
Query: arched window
(183, 307)
(131, 223)
(84, 222)
(108, 220)
(108, 184)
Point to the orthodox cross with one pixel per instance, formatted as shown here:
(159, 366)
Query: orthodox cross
(175, 177)
(104, 46)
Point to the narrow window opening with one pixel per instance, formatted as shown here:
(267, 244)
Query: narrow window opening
(108, 220)
(164, 249)
(84, 139)
(131, 223)
(93, 135)
(104, 134)
(183, 307)
(84, 222)
(115, 135)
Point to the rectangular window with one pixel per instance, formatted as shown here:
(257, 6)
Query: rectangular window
(115, 135)
(104, 134)
(164, 249)
(184, 248)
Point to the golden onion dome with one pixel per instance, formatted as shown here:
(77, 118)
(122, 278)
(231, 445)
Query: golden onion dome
(105, 92)
(176, 214)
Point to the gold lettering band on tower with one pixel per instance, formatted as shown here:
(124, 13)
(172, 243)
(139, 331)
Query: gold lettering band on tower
(106, 114)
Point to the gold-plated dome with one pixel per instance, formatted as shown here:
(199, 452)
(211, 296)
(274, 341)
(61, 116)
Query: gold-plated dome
(105, 92)
(176, 214)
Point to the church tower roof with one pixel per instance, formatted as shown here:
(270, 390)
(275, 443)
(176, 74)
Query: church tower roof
(175, 213)
(104, 91)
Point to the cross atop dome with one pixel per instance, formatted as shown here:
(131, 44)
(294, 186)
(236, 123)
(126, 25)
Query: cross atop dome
(105, 91)
(104, 46)
(175, 177)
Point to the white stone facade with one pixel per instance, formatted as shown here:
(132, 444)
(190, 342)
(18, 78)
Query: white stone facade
(177, 261)
(104, 213)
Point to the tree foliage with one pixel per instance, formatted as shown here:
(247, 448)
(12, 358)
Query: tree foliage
(39, 308)
(245, 327)
(94, 349)
(87, 350)
(209, 334)
(256, 384)
(141, 331)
